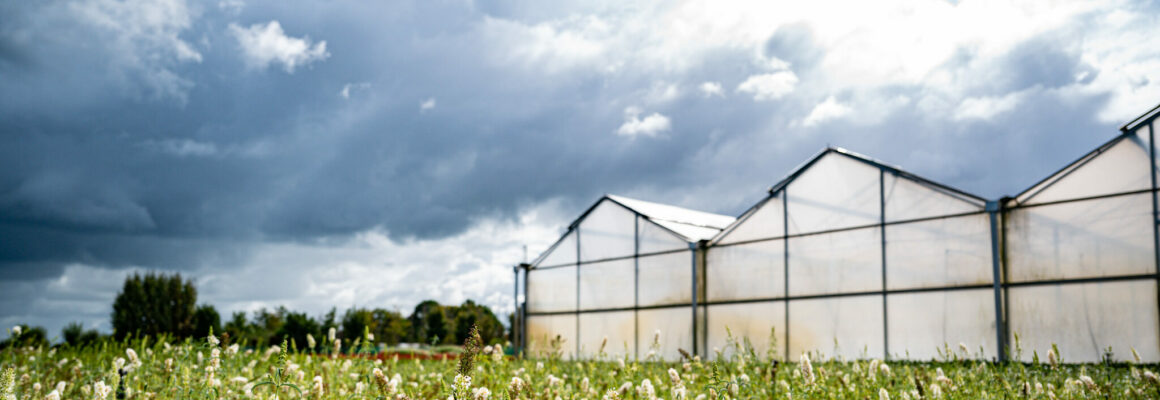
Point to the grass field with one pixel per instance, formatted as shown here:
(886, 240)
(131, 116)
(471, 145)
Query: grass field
(208, 369)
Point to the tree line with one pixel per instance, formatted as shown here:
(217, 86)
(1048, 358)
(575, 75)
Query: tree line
(157, 305)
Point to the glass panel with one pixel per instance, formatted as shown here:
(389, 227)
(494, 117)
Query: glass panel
(671, 327)
(552, 289)
(835, 192)
(746, 271)
(939, 253)
(749, 320)
(607, 232)
(1102, 237)
(922, 323)
(1085, 319)
(1120, 168)
(544, 329)
(618, 327)
(766, 221)
(656, 239)
(907, 199)
(563, 254)
(836, 262)
(847, 327)
(609, 284)
(666, 279)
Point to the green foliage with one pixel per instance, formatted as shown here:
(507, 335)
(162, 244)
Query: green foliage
(153, 304)
(206, 320)
(74, 334)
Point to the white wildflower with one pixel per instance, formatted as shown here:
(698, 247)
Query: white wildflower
(883, 394)
(330, 334)
(310, 340)
(674, 376)
(480, 393)
(213, 340)
(807, 369)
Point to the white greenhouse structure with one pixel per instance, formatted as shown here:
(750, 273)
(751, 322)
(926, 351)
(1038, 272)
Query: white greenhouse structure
(850, 257)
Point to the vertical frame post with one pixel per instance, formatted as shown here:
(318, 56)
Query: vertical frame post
(576, 355)
(882, 236)
(515, 310)
(524, 313)
(785, 263)
(993, 210)
(636, 288)
(693, 266)
(1155, 212)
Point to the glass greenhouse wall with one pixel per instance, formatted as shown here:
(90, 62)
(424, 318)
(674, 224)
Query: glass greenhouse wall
(623, 272)
(853, 258)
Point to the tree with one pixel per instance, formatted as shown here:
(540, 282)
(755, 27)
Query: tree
(431, 322)
(295, 328)
(239, 329)
(355, 321)
(391, 328)
(74, 334)
(154, 304)
(471, 314)
(205, 317)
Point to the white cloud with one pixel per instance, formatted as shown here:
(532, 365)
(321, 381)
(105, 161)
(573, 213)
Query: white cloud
(426, 105)
(771, 86)
(662, 92)
(144, 39)
(987, 108)
(710, 89)
(552, 46)
(267, 44)
(345, 92)
(827, 110)
(650, 125)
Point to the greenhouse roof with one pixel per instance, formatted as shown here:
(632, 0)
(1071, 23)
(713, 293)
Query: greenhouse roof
(691, 224)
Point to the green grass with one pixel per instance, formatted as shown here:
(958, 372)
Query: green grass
(182, 371)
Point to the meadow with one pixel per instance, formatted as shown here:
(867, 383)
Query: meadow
(213, 368)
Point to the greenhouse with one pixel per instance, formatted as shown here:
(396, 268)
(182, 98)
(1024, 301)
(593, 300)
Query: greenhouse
(854, 258)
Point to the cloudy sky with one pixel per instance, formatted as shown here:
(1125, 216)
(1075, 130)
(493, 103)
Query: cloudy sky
(342, 153)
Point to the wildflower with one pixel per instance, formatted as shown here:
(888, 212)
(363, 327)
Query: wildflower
(134, 361)
(1135, 355)
(1151, 376)
(884, 369)
(53, 395)
(337, 346)
(674, 376)
(232, 350)
(935, 390)
(611, 395)
(480, 393)
(240, 380)
(317, 386)
(624, 388)
(8, 384)
(16, 331)
(554, 381)
(646, 390)
(330, 334)
(883, 394)
(100, 390)
(213, 340)
(1087, 381)
(462, 383)
(942, 378)
(584, 385)
(515, 386)
(60, 387)
(807, 369)
(1052, 357)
